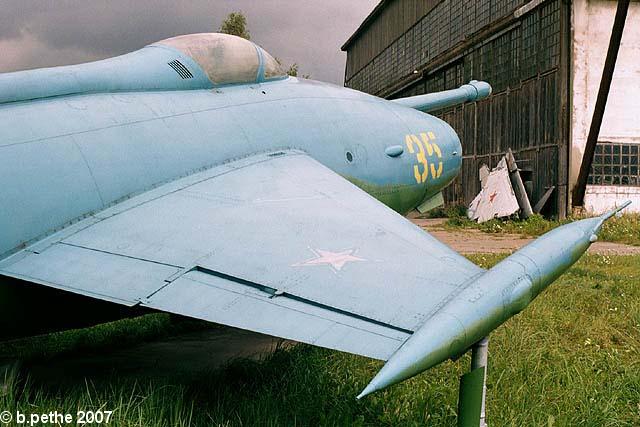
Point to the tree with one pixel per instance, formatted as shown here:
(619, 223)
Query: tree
(235, 24)
(293, 69)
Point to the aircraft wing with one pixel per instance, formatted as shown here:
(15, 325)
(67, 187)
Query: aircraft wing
(275, 243)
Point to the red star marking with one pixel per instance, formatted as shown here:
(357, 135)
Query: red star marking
(336, 260)
(493, 196)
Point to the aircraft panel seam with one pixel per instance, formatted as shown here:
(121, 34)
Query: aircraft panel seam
(119, 255)
(274, 294)
(186, 113)
(97, 216)
(269, 300)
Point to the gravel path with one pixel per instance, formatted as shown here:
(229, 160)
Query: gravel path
(468, 241)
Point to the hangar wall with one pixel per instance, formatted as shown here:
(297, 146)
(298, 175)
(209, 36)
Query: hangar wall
(615, 176)
(521, 51)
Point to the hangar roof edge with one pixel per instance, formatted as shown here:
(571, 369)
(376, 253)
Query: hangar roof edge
(374, 13)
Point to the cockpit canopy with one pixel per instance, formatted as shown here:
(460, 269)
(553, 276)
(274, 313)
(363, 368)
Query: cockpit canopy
(198, 61)
(227, 59)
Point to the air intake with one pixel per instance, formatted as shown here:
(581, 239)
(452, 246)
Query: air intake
(179, 68)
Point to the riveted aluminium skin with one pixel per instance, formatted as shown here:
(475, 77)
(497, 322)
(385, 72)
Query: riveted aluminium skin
(80, 139)
(489, 300)
(125, 108)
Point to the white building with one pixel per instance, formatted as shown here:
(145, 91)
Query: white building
(615, 166)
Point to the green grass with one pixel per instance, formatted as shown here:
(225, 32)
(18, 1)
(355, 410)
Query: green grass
(454, 211)
(572, 358)
(625, 229)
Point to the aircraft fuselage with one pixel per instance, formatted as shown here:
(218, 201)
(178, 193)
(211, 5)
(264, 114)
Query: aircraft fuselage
(76, 140)
(65, 158)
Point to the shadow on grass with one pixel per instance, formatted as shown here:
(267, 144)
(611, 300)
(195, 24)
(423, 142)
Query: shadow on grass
(299, 385)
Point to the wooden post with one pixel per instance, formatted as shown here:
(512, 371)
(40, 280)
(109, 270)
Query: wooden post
(518, 186)
(601, 102)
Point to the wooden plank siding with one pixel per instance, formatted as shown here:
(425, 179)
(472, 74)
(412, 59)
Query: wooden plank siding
(394, 17)
(525, 59)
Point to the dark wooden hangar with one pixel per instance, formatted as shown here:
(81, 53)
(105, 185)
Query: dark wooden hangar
(527, 51)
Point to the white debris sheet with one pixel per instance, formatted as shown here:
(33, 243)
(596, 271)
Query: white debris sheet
(496, 199)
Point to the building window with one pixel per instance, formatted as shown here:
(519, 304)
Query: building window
(616, 164)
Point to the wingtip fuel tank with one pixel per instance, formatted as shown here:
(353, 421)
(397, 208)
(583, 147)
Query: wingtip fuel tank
(489, 299)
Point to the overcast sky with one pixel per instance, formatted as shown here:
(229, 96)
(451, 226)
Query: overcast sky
(39, 33)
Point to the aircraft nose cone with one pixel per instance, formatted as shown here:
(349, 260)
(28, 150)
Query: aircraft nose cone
(456, 153)
(457, 145)
(452, 153)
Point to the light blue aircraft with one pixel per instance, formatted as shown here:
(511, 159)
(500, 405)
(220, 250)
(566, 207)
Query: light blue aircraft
(194, 177)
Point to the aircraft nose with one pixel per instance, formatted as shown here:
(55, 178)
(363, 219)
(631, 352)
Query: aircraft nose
(452, 152)
(456, 152)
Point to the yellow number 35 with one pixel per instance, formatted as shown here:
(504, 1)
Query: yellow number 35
(426, 145)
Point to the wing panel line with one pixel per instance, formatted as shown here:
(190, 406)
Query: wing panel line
(119, 255)
(275, 293)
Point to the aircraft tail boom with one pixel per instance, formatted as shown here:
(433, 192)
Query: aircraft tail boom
(473, 91)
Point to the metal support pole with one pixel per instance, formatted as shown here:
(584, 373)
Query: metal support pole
(601, 102)
(473, 388)
(479, 359)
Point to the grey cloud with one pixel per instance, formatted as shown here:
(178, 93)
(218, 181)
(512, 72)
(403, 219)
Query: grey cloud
(47, 33)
